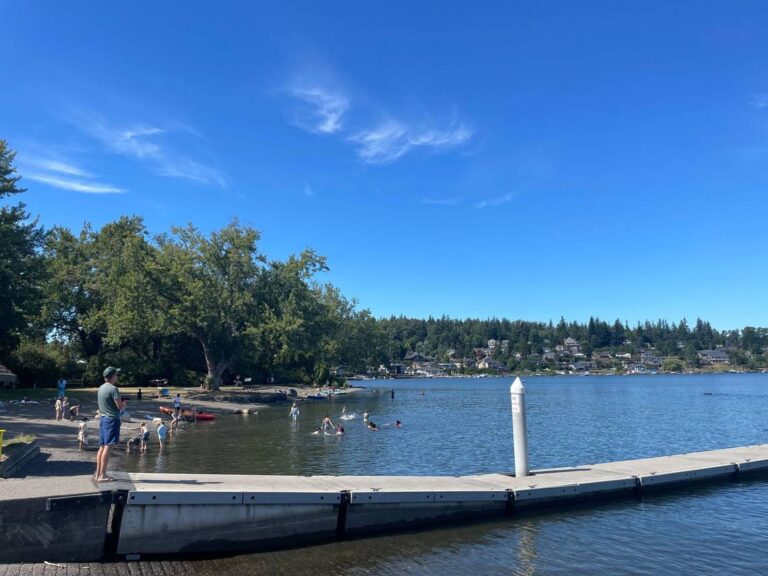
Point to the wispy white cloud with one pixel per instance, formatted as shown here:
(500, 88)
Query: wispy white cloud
(321, 107)
(53, 169)
(149, 143)
(759, 101)
(74, 185)
(391, 140)
(194, 171)
(308, 191)
(58, 166)
(321, 110)
(498, 201)
(441, 201)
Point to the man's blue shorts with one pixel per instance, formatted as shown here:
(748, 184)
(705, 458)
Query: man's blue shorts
(109, 431)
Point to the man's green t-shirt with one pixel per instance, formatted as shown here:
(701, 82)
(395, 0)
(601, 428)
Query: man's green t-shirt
(108, 396)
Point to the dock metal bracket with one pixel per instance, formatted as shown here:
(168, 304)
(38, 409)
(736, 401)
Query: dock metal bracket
(119, 498)
(62, 503)
(341, 520)
(509, 503)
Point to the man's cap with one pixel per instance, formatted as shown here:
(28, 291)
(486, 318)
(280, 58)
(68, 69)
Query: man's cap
(110, 370)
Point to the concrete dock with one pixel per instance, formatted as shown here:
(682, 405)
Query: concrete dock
(187, 514)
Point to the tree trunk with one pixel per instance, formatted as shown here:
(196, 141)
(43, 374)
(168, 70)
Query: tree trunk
(215, 368)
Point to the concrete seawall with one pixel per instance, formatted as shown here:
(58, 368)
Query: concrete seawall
(188, 514)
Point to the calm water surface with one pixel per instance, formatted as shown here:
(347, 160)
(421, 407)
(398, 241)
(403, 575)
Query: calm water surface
(463, 426)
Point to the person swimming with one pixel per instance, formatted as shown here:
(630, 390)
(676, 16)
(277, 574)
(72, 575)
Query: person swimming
(343, 413)
(372, 426)
(398, 424)
(339, 430)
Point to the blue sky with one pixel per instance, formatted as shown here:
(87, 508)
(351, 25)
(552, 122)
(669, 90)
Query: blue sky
(520, 160)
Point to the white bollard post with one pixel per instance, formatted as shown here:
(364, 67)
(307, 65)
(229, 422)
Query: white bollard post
(519, 429)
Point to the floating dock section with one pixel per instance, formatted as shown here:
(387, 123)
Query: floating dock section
(168, 513)
(193, 513)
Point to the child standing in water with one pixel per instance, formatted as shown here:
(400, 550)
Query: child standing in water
(144, 435)
(162, 432)
(365, 416)
(294, 413)
(326, 423)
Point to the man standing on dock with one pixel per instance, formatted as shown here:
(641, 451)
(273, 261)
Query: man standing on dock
(110, 405)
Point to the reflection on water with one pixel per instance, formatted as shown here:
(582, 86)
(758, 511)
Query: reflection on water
(463, 426)
(713, 530)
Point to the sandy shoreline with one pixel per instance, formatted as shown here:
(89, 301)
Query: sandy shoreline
(57, 440)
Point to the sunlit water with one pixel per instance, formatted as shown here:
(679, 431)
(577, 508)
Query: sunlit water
(463, 426)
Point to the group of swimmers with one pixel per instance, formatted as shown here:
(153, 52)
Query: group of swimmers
(338, 429)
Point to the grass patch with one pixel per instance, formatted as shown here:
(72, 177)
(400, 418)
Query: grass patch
(20, 439)
(36, 394)
(43, 394)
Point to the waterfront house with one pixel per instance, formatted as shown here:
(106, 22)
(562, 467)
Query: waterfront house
(713, 356)
(582, 366)
(571, 345)
(488, 364)
(649, 358)
(416, 357)
(638, 368)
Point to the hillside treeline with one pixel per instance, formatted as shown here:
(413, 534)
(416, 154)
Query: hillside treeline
(199, 308)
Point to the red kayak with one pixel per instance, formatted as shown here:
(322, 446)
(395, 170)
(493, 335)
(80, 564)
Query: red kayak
(189, 414)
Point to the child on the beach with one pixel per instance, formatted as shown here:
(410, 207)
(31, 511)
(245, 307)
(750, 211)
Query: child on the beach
(58, 408)
(82, 435)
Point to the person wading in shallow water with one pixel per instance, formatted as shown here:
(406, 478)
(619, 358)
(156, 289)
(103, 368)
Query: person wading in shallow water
(110, 405)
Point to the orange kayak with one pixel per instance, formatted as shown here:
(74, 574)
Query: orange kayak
(189, 414)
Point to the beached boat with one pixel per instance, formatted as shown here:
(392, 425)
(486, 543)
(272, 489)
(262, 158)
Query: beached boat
(189, 414)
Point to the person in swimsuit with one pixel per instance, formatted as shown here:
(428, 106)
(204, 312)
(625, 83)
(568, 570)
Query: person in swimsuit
(294, 413)
(327, 424)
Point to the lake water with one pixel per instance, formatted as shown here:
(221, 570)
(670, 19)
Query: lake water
(463, 426)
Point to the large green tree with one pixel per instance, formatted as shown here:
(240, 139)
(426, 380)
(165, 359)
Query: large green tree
(21, 264)
(209, 288)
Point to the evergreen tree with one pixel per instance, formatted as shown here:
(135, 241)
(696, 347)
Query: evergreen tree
(21, 265)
